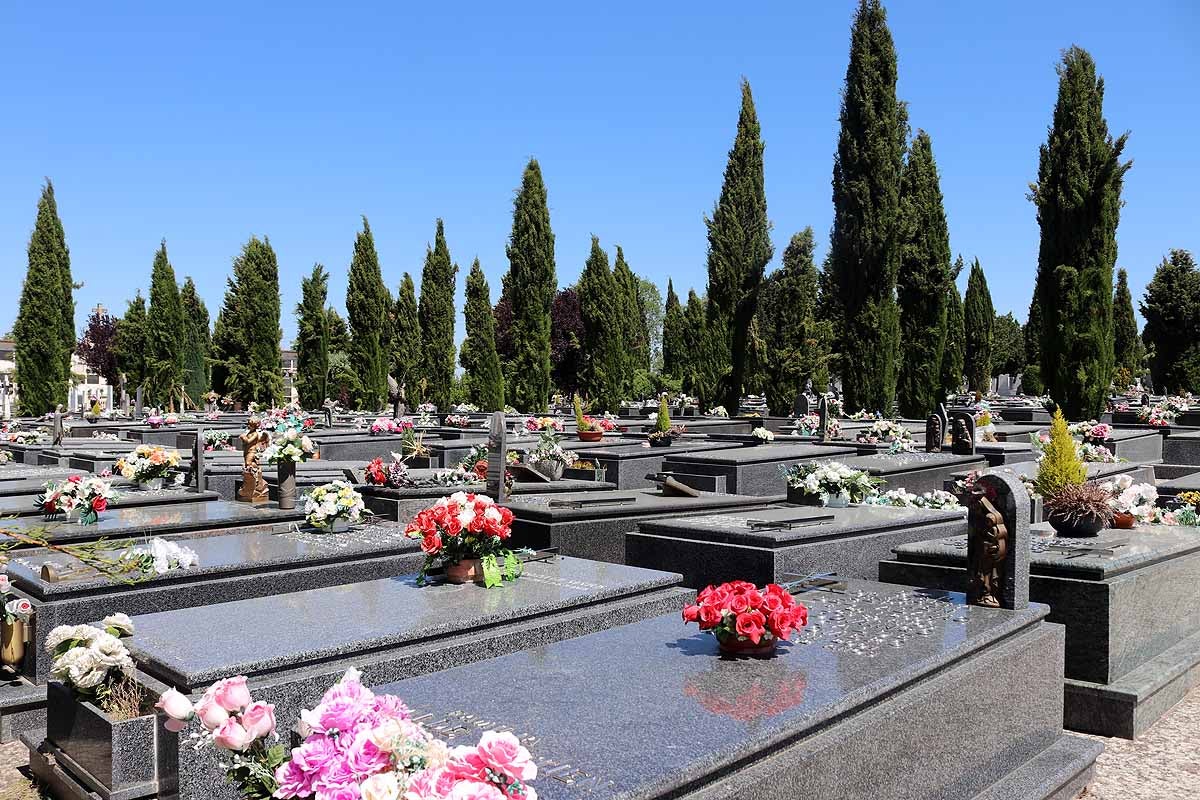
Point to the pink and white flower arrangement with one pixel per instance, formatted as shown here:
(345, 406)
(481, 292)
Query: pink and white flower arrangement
(14, 608)
(883, 431)
(1137, 499)
(1159, 415)
(357, 746)
(457, 421)
(171, 419)
(86, 496)
(809, 424)
(535, 424)
(289, 445)
(461, 527)
(388, 425)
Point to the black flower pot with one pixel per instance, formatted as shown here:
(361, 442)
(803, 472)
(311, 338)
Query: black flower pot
(1077, 527)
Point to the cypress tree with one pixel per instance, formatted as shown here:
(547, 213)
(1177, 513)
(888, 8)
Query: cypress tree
(530, 288)
(954, 351)
(197, 342)
(436, 314)
(367, 306)
(165, 333)
(923, 282)
(1008, 346)
(739, 247)
(246, 359)
(1031, 378)
(1172, 330)
(131, 343)
(602, 347)
(635, 335)
(864, 247)
(44, 331)
(1078, 199)
(312, 339)
(406, 335)
(698, 369)
(566, 340)
(978, 335)
(485, 380)
(339, 333)
(797, 341)
(1127, 344)
(673, 333)
(225, 343)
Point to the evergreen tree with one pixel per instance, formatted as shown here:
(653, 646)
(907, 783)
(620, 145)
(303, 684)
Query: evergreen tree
(1172, 330)
(246, 359)
(530, 287)
(1008, 346)
(225, 344)
(1031, 378)
(339, 332)
(739, 247)
(603, 355)
(165, 333)
(1127, 344)
(1078, 199)
(312, 339)
(480, 363)
(673, 334)
(566, 340)
(406, 335)
(131, 343)
(698, 368)
(44, 331)
(197, 342)
(923, 282)
(97, 346)
(954, 352)
(978, 318)
(368, 305)
(634, 335)
(436, 314)
(864, 247)
(652, 315)
(797, 341)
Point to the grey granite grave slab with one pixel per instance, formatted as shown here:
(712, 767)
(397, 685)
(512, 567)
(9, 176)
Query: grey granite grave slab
(1176, 486)
(739, 546)
(916, 472)
(403, 504)
(628, 466)
(1001, 453)
(1130, 612)
(127, 497)
(754, 470)
(849, 710)
(1182, 447)
(593, 525)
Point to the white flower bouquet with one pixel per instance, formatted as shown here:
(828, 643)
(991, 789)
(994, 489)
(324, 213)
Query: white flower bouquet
(762, 435)
(333, 502)
(291, 445)
(830, 481)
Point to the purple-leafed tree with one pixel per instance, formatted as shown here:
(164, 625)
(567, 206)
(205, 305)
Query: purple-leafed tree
(566, 339)
(97, 346)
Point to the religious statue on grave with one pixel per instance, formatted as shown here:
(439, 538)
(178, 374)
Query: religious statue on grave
(57, 431)
(395, 397)
(934, 438)
(254, 441)
(984, 572)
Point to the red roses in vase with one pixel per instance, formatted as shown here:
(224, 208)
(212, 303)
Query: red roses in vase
(745, 619)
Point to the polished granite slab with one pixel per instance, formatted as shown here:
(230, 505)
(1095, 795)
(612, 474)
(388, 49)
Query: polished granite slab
(22, 505)
(575, 506)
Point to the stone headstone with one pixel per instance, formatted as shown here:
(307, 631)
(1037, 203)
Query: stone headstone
(138, 406)
(497, 458)
(124, 403)
(822, 419)
(328, 416)
(962, 434)
(801, 406)
(1145, 399)
(198, 461)
(945, 416)
(934, 435)
(998, 542)
(57, 430)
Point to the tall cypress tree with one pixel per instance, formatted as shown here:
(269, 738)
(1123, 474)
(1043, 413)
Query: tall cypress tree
(367, 307)
(603, 344)
(165, 333)
(406, 335)
(1078, 199)
(954, 352)
(530, 287)
(978, 320)
(339, 333)
(699, 367)
(1031, 378)
(865, 245)
(197, 342)
(312, 339)
(131, 343)
(1127, 344)
(247, 362)
(436, 314)
(1172, 326)
(739, 247)
(635, 335)
(923, 282)
(672, 346)
(485, 380)
(41, 333)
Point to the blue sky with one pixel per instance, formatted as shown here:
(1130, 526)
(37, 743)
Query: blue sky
(291, 120)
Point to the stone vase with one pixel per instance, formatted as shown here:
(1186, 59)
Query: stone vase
(152, 485)
(469, 570)
(117, 755)
(12, 645)
(732, 646)
(287, 484)
(551, 469)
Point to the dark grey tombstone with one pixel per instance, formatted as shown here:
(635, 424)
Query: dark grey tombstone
(962, 434)
(823, 419)
(139, 410)
(801, 406)
(934, 437)
(1145, 399)
(57, 430)
(497, 458)
(998, 542)
(328, 410)
(945, 415)
(198, 461)
(124, 403)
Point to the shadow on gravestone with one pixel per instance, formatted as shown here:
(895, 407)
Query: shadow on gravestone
(998, 542)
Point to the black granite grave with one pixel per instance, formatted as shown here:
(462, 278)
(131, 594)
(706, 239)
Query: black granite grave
(628, 466)
(917, 472)
(754, 470)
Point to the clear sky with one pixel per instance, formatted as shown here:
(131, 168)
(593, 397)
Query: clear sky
(208, 123)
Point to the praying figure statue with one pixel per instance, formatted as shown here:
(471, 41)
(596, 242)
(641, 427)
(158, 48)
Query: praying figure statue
(254, 486)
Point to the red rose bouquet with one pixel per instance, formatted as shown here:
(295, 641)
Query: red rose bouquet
(745, 618)
(467, 533)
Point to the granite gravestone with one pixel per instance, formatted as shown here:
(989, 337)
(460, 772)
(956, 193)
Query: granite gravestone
(198, 461)
(934, 438)
(962, 434)
(945, 417)
(998, 542)
(328, 416)
(139, 408)
(497, 458)
(822, 419)
(801, 407)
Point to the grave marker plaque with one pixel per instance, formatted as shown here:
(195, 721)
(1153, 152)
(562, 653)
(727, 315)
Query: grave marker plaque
(138, 407)
(801, 406)
(822, 419)
(962, 436)
(497, 458)
(1145, 399)
(998, 543)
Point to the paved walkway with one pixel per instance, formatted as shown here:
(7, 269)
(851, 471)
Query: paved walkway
(1163, 765)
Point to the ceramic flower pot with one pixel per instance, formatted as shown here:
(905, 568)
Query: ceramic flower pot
(839, 500)
(287, 484)
(551, 469)
(12, 645)
(152, 485)
(732, 646)
(1076, 528)
(469, 570)
(1123, 520)
(591, 436)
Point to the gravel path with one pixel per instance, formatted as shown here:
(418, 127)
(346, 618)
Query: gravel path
(1163, 765)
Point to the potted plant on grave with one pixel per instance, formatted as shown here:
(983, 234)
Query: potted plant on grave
(377, 751)
(664, 432)
(96, 713)
(833, 484)
(1079, 510)
(147, 465)
(746, 620)
(1059, 470)
(76, 496)
(155, 421)
(285, 451)
(589, 428)
(333, 507)
(14, 633)
(549, 458)
(466, 533)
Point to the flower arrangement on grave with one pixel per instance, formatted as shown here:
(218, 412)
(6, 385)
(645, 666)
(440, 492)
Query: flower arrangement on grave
(160, 556)
(155, 420)
(216, 440)
(356, 744)
(832, 483)
(1079, 509)
(170, 419)
(834, 405)
(85, 496)
(861, 415)
(717, 411)
(27, 437)
(762, 435)
(465, 408)
(549, 457)
(333, 503)
(105, 436)
(1158, 415)
(810, 425)
(457, 421)
(538, 424)
(1185, 515)
(15, 609)
(902, 498)
(212, 415)
(5, 457)
(388, 425)
(1131, 503)
(95, 664)
(427, 408)
(289, 445)
(466, 533)
(883, 430)
(745, 619)
(1091, 431)
(147, 463)
(1097, 453)
(664, 432)
(393, 473)
(1177, 404)
(280, 419)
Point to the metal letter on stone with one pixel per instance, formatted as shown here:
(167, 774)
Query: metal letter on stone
(998, 542)
(962, 438)
(934, 437)
(497, 458)
(822, 419)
